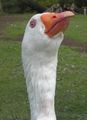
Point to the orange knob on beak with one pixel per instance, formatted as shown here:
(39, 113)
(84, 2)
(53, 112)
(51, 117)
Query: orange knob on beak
(56, 22)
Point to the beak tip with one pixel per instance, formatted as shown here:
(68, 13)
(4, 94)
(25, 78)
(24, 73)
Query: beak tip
(68, 14)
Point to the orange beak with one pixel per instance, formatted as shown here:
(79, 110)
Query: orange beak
(56, 22)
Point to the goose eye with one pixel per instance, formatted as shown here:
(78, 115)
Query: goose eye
(33, 23)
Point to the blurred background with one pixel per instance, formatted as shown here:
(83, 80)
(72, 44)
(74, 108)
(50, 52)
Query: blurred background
(71, 87)
(22, 6)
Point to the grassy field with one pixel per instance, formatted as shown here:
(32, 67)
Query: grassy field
(71, 91)
(78, 29)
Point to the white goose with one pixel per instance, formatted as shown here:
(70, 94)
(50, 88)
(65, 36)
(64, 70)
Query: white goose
(42, 39)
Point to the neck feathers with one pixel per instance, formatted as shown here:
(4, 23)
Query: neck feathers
(41, 80)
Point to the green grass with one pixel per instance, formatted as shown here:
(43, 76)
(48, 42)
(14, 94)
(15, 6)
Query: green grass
(71, 99)
(13, 98)
(78, 29)
(71, 90)
(15, 29)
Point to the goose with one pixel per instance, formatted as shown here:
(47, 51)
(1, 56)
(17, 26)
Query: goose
(42, 39)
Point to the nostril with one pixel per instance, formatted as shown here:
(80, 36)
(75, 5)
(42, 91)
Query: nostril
(54, 16)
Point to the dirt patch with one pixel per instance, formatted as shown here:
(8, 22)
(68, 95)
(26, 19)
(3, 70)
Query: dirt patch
(8, 19)
(82, 47)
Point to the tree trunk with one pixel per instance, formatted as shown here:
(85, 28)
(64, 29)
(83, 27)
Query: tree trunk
(0, 7)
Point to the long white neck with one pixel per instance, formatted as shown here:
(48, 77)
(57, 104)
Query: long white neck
(40, 63)
(40, 80)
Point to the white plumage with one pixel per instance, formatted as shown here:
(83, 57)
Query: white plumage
(39, 55)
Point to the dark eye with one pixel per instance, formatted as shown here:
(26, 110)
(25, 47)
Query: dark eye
(33, 23)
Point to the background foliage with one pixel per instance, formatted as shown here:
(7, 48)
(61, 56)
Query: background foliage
(14, 6)
(18, 6)
(81, 3)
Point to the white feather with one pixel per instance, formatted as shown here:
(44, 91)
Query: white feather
(39, 55)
